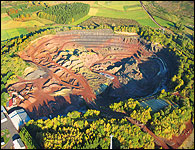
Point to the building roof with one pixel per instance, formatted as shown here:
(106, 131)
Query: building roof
(18, 144)
(10, 102)
(155, 104)
(3, 109)
(19, 117)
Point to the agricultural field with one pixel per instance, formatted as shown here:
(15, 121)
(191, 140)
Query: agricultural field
(111, 9)
(81, 20)
(11, 28)
(176, 13)
(122, 9)
(116, 9)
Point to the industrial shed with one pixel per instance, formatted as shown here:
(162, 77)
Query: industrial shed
(19, 117)
(18, 144)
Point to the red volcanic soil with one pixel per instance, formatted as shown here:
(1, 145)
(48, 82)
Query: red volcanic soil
(42, 54)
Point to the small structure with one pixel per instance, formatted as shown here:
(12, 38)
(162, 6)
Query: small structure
(111, 141)
(18, 144)
(19, 117)
(155, 104)
(11, 103)
(3, 117)
(107, 75)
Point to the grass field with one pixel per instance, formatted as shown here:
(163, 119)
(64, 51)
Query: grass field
(20, 24)
(138, 15)
(115, 9)
(7, 18)
(111, 9)
(80, 20)
(11, 28)
(10, 33)
(163, 22)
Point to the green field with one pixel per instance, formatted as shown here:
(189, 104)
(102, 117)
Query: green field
(163, 22)
(7, 18)
(138, 15)
(10, 33)
(80, 20)
(115, 9)
(11, 28)
(111, 9)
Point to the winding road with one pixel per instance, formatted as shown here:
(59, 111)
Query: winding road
(151, 16)
(154, 19)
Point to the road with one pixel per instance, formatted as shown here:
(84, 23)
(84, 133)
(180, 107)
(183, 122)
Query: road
(154, 19)
(151, 15)
(8, 125)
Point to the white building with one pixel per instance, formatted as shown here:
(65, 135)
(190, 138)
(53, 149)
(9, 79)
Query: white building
(19, 117)
(18, 144)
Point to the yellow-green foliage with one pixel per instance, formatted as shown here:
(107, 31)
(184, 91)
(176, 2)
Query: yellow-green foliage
(133, 108)
(63, 92)
(78, 131)
(166, 124)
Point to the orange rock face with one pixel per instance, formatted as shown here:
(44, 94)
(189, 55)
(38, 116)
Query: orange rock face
(62, 60)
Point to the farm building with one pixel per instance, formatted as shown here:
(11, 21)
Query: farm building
(19, 117)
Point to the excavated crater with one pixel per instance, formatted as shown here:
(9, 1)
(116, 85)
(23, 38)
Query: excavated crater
(95, 65)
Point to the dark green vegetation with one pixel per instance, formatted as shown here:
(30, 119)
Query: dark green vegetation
(27, 139)
(74, 11)
(4, 94)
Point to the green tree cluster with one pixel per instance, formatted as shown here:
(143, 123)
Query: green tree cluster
(87, 131)
(170, 122)
(27, 139)
(65, 13)
(4, 93)
(132, 108)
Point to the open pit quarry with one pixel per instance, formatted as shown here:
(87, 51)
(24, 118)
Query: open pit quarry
(78, 65)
